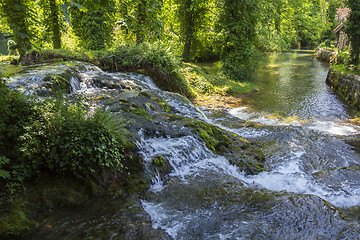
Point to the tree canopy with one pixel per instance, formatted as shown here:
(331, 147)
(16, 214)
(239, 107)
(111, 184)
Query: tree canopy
(237, 32)
(353, 29)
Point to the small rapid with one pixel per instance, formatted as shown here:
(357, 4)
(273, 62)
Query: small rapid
(307, 160)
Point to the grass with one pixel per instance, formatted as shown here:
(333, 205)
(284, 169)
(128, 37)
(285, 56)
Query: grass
(7, 58)
(344, 69)
(207, 79)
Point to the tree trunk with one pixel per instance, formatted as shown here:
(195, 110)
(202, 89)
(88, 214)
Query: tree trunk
(56, 33)
(141, 22)
(355, 46)
(189, 32)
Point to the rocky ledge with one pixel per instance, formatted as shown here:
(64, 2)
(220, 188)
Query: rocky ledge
(346, 85)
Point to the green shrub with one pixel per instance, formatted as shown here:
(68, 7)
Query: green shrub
(16, 112)
(160, 65)
(55, 136)
(343, 57)
(66, 139)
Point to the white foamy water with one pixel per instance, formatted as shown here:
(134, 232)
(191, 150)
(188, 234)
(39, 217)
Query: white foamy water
(334, 128)
(186, 155)
(329, 127)
(167, 220)
(182, 105)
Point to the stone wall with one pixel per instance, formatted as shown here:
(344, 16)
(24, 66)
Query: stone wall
(346, 85)
(325, 54)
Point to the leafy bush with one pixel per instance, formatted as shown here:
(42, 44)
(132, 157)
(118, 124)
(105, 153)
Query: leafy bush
(55, 136)
(66, 139)
(343, 57)
(16, 111)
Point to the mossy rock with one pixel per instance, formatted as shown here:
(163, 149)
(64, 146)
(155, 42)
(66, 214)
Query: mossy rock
(237, 150)
(161, 166)
(14, 220)
(66, 191)
(58, 84)
(215, 138)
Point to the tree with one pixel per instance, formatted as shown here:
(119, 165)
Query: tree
(191, 16)
(353, 29)
(237, 24)
(18, 17)
(141, 19)
(93, 23)
(52, 20)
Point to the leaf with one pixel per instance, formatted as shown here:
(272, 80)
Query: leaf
(79, 6)
(4, 174)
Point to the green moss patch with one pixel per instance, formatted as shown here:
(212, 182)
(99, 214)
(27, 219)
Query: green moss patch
(213, 136)
(14, 220)
(237, 150)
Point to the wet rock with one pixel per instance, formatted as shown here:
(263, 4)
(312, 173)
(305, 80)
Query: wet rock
(101, 218)
(325, 54)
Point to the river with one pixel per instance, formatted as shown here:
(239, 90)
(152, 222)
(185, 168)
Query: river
(310, 189)
(312, 175)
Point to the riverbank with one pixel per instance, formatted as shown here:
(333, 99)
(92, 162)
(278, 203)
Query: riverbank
(346, 83)
(342, 78)
(212, 88)
(325, 55)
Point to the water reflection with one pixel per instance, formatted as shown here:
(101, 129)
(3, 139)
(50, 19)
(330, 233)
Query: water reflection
(293, 84)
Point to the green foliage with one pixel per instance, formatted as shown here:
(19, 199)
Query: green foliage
(18, 17)
(15, 113)
(237, 24)
(4, 173)
(190, 14)
(66, 139)
(56, 136)
(140, 20)
(343, 58)
(353, 29)
(286, 24)
(94, 27)
(52, 21)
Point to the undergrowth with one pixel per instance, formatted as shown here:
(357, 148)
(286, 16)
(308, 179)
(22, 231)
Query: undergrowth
(57, 137)
(207, 79)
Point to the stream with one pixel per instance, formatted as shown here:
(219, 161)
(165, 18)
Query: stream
(310, 189)
(311, 171)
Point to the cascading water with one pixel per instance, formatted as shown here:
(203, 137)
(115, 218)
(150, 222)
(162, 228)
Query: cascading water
(306, 158)
(311, 172)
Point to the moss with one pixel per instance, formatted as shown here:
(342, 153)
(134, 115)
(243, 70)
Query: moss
(67, 191)
(338, 78)
(14, 221)
(141, 112)
(158, 161)
(136, 183)
(214, 137)
(129, 107)
(161, 164)
(59, 84)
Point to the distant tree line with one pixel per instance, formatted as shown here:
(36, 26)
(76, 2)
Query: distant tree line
(234, 31)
